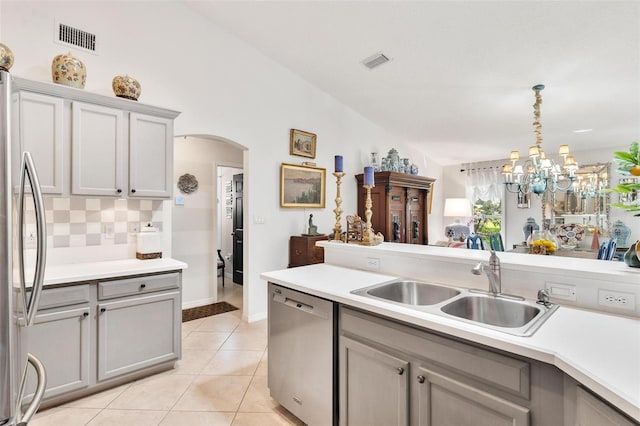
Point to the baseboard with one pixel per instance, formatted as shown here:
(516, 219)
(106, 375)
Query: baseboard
(257, 317)
(199, 302)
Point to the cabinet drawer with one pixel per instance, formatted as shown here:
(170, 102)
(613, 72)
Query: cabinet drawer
(499, 371)
(64, 296)
(137, 285)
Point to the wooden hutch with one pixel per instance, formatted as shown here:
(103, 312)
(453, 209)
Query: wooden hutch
(400, 206)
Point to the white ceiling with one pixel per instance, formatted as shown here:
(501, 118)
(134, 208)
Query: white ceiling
(459, 83)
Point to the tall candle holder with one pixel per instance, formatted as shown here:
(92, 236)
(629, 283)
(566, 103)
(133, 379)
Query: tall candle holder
(369, 237)
(337, 230)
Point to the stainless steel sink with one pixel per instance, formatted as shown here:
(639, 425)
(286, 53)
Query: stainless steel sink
(409, 292)
(519, 317)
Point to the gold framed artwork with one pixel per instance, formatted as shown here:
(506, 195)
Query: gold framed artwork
(302, 144)
(302, 186)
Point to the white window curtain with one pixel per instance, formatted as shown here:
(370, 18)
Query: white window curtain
(483, 183)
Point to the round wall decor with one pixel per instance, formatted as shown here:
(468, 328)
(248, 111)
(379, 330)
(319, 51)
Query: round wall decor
(187, 183)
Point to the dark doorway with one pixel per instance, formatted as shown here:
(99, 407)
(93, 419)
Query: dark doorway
(237, 229)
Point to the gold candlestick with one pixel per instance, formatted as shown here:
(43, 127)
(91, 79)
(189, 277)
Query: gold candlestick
(337, 230)
(368, 234)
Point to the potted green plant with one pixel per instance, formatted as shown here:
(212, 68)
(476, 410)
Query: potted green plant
(628, 165)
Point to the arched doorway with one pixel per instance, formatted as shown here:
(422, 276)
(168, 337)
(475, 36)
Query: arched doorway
(196, 231)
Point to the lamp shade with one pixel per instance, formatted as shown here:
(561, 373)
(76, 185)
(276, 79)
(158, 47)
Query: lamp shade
(457, 207)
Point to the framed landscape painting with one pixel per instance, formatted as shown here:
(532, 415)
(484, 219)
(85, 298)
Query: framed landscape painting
(302, 186)
(302, 143)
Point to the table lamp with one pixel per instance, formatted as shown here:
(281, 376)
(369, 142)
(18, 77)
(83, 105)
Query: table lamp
(458, 208)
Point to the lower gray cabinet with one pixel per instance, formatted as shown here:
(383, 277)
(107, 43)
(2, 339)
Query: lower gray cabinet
(584, 408)
(396, 374)
(444, 401)
(374, 386)
(61, 340)
(138, 332)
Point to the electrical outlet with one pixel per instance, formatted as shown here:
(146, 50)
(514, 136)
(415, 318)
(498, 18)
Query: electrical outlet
(617, 299)
(561, 291)
(372, 263)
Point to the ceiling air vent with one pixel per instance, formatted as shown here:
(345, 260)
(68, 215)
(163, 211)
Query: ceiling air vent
(376, 60)
(71, 36)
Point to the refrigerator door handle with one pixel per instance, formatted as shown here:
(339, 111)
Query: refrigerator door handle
(39, 392)
(29, 172)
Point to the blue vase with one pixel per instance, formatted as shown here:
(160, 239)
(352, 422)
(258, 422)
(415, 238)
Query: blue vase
(621, 233)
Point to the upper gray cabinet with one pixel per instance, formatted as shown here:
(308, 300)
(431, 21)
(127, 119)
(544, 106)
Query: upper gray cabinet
(89, 144)
(97, 141)
(150, 156)
(38, 127)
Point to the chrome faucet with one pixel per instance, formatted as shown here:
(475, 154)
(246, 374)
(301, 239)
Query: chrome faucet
(492, 269)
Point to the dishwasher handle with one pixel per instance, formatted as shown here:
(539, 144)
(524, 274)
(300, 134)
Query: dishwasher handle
(301, 306)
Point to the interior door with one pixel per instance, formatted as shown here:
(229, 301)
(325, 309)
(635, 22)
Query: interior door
(237, 229)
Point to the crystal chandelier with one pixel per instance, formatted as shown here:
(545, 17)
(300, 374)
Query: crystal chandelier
(539, 174)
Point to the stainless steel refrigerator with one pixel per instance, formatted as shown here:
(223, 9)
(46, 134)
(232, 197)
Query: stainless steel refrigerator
(19, 294)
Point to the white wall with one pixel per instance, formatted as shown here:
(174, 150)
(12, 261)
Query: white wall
(515, 218)
(223, 88)
(194, 224)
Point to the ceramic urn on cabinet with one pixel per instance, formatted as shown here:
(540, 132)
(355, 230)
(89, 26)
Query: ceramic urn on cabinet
(6, 57)
(69, 71)
(125, 86)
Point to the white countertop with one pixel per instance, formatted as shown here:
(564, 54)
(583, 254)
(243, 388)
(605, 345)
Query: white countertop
(599, 350)
(76, 272)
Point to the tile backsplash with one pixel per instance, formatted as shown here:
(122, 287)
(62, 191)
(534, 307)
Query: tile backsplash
(77, 222)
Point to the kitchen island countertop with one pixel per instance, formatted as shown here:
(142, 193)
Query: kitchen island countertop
(601, 351)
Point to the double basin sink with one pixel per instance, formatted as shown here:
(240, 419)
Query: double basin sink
(508, 314)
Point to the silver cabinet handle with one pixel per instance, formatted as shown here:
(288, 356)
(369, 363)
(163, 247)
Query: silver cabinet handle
(421, 379)
(400, 371)
(40, 388)
(29, 172)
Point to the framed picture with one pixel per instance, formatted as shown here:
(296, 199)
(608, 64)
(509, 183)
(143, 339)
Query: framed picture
(302, 143)
(302, 186)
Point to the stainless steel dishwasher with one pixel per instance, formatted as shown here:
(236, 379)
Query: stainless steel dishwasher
(302, 355)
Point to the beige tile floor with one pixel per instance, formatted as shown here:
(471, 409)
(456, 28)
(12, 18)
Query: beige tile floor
(220, 380)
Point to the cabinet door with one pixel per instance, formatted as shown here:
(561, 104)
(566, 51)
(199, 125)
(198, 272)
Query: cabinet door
(396, 215)
(39, 128)
(443, 401)
(591, 411)
(415, 217)
(61, 341)
(373, 386)
(97, 140)
(150, 156)
(137, 333)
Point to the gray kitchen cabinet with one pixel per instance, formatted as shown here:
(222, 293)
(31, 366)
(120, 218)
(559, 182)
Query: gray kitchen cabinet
(88, 144)
(443, 400)
(38, 126)
(98, 144)
(60, 339)
(150, 156)
(449, 381)
(374, 386)
(585, 408)
(136, 332)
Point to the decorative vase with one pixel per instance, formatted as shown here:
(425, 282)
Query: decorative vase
(374, 162)
(529, 227)
(68, 71)
(542, 242)
(125, 86)
(6, 57)
(621, 233)
(631, 255)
